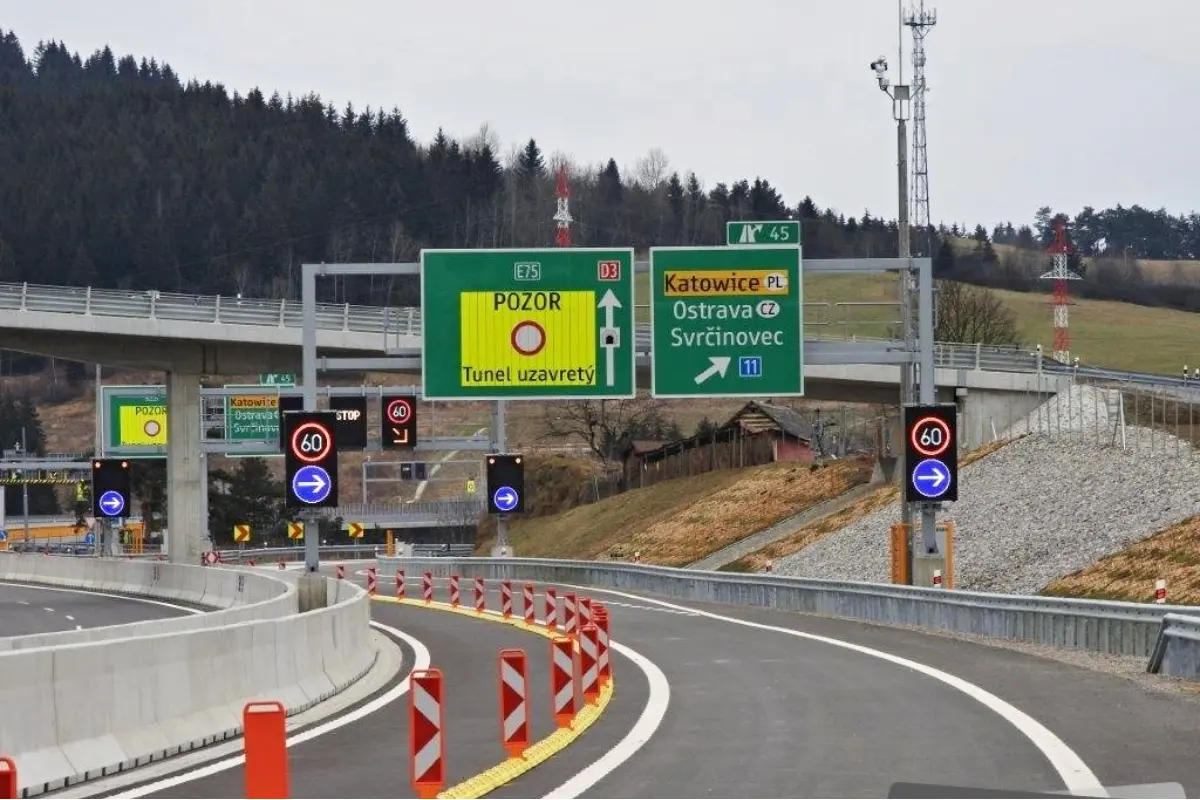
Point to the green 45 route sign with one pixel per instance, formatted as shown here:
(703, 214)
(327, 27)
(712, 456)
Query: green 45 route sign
(726, 322)
(550, 324)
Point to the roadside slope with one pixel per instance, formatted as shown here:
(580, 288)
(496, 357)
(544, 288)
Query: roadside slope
(674, 523)
(1051, 503)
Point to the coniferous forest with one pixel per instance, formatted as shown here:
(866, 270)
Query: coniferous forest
(118, 173)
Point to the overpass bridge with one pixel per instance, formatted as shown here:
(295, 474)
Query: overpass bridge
(191, 336)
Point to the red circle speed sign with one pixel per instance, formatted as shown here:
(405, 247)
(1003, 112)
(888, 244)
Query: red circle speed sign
(311, 442)
(930, 436)
(399, 411)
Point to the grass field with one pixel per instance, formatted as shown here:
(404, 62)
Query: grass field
(1172, 554)
(677, 522)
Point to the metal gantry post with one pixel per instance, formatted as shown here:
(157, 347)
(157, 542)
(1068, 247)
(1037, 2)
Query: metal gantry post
(928, 394)
(499, 444)
(308, 382)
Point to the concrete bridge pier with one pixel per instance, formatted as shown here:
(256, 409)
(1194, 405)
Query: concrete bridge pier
(187, 487)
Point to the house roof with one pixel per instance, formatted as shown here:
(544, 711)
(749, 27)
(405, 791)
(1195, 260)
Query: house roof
(755, 417)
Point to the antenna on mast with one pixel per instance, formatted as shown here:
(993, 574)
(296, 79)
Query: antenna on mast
(921, 22)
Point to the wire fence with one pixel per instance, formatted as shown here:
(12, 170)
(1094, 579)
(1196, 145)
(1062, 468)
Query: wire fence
(1163, 422)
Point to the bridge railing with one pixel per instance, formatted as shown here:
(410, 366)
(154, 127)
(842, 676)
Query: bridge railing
(1115, 628)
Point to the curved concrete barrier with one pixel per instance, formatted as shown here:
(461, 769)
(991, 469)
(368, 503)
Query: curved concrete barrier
(78, 711)
(238, 596)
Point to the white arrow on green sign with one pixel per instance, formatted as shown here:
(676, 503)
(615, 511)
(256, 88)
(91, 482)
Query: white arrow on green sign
(762, 233)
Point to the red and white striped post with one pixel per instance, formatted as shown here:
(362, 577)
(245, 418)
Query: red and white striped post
(372, 581)
(527, 607)
(585, 611)
(480, 605)
(604, 657)
(281, 564)
(250, 563)
(1160, 591)
(551, 609)
(340, 571)
(399, 584)
(937, 579)
(569, 615)
(514, 702)
(563, 679)
(427, 587)
(455, 597)
(506, 599)
(426, 717)
(589, 672)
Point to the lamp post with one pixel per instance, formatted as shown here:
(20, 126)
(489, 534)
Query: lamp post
(900, 97)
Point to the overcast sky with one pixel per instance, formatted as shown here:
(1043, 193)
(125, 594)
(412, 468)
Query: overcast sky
(1032, 102)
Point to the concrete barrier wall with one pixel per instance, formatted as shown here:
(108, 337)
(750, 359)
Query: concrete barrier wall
(74, 712)
(239, 595)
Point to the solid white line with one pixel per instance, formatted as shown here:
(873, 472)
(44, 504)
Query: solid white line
(69, 618)
(146, 600)
(645, 727)
(1075, 774)
(422, 660)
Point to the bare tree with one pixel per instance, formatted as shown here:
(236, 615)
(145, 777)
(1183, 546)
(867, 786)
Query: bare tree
(651, 170)
(970, 314)
(607, 426)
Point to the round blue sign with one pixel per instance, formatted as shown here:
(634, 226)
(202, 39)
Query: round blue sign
(505, 498)
(112, 503)
(311, 485)
(931, 478)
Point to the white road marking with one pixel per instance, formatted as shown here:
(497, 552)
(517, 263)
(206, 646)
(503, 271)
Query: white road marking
(147, 600)
(1075, 774)
(69, 618)
(23, 602)
(47, 609)
(421, 661)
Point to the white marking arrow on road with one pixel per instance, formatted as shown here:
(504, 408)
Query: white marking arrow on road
(938, 477)
(719, 366)
(609, 303)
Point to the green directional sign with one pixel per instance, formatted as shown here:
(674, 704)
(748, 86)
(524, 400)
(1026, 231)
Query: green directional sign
(726, 322)
(253, 418)
(552, 324)
(763, 233)
(277, 379)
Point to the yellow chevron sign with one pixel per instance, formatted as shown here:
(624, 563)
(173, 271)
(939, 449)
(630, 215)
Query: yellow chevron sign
(295, 530)
(241, 533)
(355, 529)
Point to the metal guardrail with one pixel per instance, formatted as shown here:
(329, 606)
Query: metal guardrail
(332, 551)
(1116, 628)
(393, 322)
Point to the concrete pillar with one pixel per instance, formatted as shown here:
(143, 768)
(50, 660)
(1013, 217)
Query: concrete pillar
(187, 525)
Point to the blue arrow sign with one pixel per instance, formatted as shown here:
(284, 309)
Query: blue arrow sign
(931, 478)
(505, 498)
(311, 485)
(112, 503)
(3, 536)
(89, 538)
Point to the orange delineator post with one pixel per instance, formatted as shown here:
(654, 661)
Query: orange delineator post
(514, 702)
(454, 596)
(564, 677)
(527, 607)
(427, 587)
(265, 727)
(570, 615)
(480, 604)
(506, 599)
(372, 581)
(589, 672)
(8, 779)
(426, 724)
(341, 572)
(585, 611)
(551, 609)
(603, 651)
(399, 584)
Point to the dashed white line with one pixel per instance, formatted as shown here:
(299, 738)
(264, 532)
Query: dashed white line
(70, 618)
(47, 609)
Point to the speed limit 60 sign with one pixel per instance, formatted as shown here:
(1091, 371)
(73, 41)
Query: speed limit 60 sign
(931, 453)
(310, 459)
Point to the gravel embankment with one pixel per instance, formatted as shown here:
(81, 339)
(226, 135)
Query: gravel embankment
(1041, 507)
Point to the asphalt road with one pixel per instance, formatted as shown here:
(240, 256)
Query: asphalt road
(29, 609)
(369, 759)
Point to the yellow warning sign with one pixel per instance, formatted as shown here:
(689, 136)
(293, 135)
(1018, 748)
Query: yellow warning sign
(295, 530)
(241, 533)
(529, 338)
(143, 426)
(355, 529)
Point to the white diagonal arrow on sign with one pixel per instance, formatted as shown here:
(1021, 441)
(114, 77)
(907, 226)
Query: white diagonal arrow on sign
(718, 365)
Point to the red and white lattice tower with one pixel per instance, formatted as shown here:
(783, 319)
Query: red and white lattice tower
(562, 212)
(1059, 251)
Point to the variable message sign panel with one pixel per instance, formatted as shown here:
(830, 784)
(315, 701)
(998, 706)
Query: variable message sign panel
(135, 420)
(931, 453)
(726, 322)
(527, 324)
